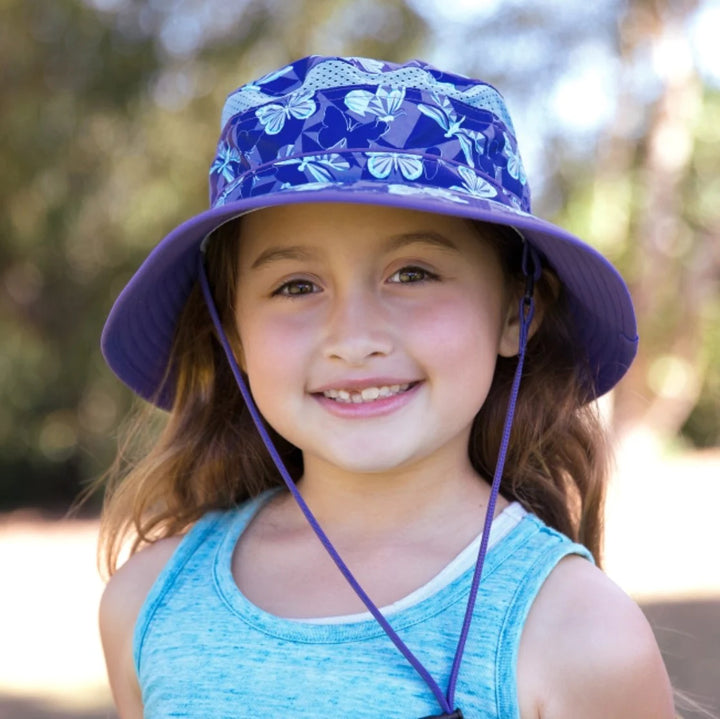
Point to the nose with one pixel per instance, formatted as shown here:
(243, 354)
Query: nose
(358, 328)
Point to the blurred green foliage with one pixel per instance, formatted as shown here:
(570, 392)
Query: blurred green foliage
(109, 118)
(99, 164)
(71, 88)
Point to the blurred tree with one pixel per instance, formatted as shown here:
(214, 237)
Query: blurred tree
(71, 82)
(626, 154)
(109, 119)
(652, 205)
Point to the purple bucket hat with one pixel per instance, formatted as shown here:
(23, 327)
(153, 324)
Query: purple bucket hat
(333, 129)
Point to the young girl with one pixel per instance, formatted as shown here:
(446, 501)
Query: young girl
(381, 478)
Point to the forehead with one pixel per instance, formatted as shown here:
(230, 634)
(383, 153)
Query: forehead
(350, 228)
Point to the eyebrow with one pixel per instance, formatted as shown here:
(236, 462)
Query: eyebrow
(395, 242)
(291, 252)
(423, 237)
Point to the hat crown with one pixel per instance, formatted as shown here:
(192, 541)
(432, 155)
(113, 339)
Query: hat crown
(331, 121)
(330, 129)
(323, 73)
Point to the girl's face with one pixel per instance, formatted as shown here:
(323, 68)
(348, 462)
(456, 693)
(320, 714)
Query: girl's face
(370, 334)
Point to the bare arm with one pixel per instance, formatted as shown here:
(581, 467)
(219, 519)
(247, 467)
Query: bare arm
(588, 651)
(119, 608)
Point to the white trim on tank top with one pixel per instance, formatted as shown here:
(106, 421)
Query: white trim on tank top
(502, 525)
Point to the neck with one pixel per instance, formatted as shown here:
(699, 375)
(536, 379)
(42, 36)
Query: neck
(429, 493)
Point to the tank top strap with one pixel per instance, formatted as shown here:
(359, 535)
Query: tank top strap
(201, 545)
(202, 649)
(547, 548)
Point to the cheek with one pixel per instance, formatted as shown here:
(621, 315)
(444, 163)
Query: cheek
(461, 350)
(273, 350)
(460, 324)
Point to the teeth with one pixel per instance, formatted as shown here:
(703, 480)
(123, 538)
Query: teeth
(369, 394)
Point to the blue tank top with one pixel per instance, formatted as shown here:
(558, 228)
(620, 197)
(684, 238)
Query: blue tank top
(203, 651)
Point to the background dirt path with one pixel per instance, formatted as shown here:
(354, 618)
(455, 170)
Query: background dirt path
(661, 548)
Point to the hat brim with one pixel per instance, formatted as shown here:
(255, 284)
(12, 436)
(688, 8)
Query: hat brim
(138, 335)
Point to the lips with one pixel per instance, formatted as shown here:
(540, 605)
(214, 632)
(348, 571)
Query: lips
(363, 399)
(366, 394)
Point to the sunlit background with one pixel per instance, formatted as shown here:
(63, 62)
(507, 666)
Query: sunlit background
(109, 115)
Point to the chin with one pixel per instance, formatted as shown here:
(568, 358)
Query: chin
(371, 461)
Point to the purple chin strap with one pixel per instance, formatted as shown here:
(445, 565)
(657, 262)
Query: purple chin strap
(531, 269)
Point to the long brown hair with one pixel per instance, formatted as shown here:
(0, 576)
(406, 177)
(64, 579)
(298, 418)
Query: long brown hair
(209, 455)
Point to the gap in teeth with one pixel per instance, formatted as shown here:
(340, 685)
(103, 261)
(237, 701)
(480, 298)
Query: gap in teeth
(368, 394)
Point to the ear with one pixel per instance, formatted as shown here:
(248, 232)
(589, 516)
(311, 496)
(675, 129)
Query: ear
(547, 290)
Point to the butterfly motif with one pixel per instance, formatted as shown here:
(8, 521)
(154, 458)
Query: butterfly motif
(384, 104)
(445, 116)
(381, 164)
(226, 157)
(299, 105)
(265, 79)
(514, 165)
(439, 192)
(474, 185)
(337, 126)
(235, 188)
(319, 167)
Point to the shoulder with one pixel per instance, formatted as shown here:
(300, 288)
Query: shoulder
(129, 585)
(120, 606)
(587, 650)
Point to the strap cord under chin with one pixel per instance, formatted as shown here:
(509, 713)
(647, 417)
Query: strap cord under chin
(445, 700)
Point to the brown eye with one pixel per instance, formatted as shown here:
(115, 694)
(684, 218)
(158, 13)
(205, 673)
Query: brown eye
(410, 275)
(295, 288)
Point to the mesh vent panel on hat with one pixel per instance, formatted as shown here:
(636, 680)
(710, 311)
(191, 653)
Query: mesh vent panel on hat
(335, 73)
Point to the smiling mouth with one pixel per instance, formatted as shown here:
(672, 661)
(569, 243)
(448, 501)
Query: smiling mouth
(367, 394)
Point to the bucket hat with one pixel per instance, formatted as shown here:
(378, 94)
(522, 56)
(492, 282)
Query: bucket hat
(334, 129)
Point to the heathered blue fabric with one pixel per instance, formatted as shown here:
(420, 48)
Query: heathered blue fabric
(203, 651)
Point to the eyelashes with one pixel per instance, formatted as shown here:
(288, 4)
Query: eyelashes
(296, 288)
(408, 275)
(412, 275)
